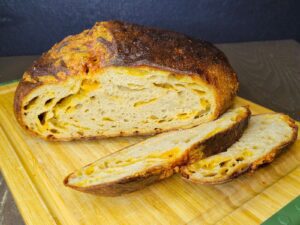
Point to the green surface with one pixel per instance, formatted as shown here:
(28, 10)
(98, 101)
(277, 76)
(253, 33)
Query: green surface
(9, 82)
(288, 215)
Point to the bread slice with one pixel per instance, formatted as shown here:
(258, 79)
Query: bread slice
(158, 157)
(266, 136)
(120, 79)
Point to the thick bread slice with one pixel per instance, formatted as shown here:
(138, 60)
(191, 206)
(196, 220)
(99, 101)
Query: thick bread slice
(158, 157)
(120, 79)
(266, 136)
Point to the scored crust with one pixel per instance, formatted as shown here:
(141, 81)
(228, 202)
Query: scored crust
(114, 44)
(251, 167)
(212, 145)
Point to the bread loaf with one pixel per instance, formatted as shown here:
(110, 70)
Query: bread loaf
(120, 79)
(266, 136)
(156, 158)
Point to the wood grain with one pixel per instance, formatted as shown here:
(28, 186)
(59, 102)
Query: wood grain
(269, 73)
(29, 200)
(274, 197)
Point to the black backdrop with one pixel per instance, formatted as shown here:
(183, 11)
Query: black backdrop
(33, 26)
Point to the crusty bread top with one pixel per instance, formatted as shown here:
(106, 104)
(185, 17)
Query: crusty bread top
(115, 43)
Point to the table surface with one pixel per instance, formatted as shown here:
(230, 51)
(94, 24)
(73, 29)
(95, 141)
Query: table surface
(269, 74)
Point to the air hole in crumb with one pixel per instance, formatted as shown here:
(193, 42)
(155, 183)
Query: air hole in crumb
(50, 136)
(153, 117)
(163, 85)
(199, 92)
(54, 131)
(80, 133)
(78, 106)
(42, 117)
(222, 164)
(31, 102)
(86, 69)
(93, 97)
(210, 175)
(198, 115)
(87, 111)
(224, 171)
(179, 85)
(49, 101)
(239, 159)
(107, 119)
(61, 100)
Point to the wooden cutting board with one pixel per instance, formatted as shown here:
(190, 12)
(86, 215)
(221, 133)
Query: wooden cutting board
(34, 170)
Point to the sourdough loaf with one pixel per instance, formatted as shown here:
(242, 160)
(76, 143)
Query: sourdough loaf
(156, 158)
(266, 136)
(120, 79)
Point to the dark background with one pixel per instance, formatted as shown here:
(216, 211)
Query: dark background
(33, 26)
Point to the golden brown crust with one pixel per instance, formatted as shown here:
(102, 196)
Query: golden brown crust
(267, 159)
(23, 89)
(115, 43)
(213, 145)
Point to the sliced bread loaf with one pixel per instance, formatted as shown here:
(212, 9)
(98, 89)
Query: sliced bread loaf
(158, 157)
(120, 79)
(266, 136)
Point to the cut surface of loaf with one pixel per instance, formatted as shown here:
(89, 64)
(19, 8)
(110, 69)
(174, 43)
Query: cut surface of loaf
(120, 79)
(266, 136)
(156, 158)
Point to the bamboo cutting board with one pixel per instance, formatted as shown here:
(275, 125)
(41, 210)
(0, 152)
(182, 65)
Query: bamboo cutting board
(34, 170)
